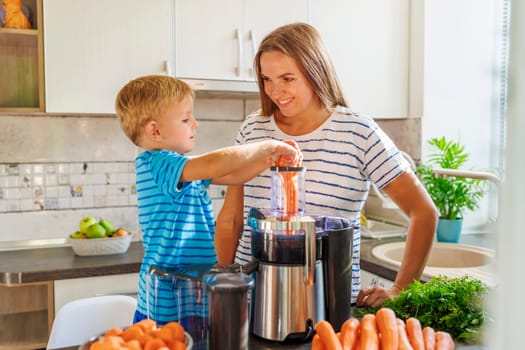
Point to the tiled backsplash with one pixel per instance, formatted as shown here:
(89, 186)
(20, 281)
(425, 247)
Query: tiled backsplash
(63, 186)
(58, 186)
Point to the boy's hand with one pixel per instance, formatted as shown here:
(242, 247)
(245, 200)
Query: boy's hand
(287, 153)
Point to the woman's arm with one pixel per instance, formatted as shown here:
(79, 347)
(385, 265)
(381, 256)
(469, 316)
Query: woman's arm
(411, 197)
(229, 226)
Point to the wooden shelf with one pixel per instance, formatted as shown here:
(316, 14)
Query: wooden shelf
(11, 40)
(6, 31)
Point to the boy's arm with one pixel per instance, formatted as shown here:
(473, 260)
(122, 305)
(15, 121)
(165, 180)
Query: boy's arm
(229, 226)
(225, 161)
(242, 175)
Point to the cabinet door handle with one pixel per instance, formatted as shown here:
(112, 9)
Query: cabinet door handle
(167, 67)
(254, 51)
(238, 68)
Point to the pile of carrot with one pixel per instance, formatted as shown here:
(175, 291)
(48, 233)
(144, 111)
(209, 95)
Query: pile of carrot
(290, 184)
(143, 335)
(382, 331)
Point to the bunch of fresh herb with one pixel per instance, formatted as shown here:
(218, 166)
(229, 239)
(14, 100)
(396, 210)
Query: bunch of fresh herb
(454, 305)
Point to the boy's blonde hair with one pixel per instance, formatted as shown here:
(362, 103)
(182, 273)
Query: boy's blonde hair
(145, 99)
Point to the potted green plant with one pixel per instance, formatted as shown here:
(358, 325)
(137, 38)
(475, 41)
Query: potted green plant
(451, 195)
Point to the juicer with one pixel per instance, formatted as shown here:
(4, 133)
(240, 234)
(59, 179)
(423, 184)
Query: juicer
(301, 264)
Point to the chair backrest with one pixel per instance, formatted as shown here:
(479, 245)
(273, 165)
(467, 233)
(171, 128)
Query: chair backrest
(81, 319)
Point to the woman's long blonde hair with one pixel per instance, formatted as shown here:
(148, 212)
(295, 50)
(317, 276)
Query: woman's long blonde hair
(303, 43)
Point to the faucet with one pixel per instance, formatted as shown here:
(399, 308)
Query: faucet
(468, 174)
(472, 175)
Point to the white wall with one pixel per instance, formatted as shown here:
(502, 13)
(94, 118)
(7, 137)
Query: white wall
(460, 83)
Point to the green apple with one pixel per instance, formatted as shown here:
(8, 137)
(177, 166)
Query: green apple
(85, 223)
(96, 231)
(108, 226)
(77, 235)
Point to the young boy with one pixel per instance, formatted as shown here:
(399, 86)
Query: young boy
(175, 212)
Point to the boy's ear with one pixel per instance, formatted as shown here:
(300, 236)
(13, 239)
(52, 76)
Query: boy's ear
(151, 130)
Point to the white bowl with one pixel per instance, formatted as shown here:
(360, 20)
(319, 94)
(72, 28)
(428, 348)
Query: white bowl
(100, 246)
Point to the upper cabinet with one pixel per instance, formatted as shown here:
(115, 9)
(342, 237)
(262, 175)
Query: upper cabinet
(21, 62)
(93, 49)
(218, 39)
(369, 42)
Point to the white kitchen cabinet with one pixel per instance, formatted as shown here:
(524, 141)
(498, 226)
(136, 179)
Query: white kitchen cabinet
(369, 42)
(218, 39)
(92, 48)
(76, 288)
(370, 279)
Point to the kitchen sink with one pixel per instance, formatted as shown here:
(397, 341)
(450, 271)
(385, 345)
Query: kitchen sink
(449, 259)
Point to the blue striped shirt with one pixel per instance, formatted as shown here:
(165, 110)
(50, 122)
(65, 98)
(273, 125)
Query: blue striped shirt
(341, 158)
(177, 223)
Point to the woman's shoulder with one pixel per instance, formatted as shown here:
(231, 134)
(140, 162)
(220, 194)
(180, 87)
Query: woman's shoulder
(345, 113)
(345, 116)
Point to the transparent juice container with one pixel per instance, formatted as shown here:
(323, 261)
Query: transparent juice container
(184, 299)
(287, 190)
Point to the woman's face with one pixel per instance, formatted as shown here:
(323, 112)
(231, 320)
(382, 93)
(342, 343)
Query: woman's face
(177, 126)
(286, 85)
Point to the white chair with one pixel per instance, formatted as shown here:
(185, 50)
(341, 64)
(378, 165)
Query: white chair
(81, 319)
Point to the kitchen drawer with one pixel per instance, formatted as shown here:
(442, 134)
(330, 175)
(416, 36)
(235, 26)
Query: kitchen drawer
(26, 315)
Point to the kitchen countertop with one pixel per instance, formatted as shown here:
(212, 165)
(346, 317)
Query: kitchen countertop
(57, 263)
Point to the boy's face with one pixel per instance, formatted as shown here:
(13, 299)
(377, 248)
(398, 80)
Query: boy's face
(177, 126)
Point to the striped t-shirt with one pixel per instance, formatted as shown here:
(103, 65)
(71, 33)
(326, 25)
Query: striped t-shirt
(341, 157)
(177, 224)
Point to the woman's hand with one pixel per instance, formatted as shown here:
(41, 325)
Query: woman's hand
(374, 296)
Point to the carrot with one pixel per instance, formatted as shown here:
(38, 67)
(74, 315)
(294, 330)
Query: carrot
(444, 341)
(404, 344)
(387, 326)
(133, 345)
(133, 332)
(369, 335)
(429, 337)
(327, 334)
(358, 341)
(415, 333)
(349, 333)
(146, 324)
(114, 331)
(177, 330)
(155, 344)
(317, 343)
(178, 345)
(290, 185)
